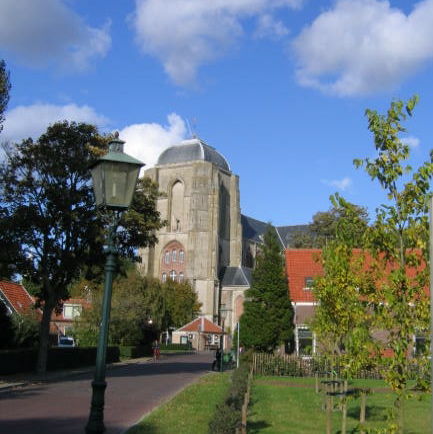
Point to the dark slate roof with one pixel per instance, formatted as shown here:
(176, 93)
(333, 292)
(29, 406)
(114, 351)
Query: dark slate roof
(236, 276)
(192, 150)
(254, 230)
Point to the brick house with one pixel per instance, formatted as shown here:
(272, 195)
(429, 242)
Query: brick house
(302, 265)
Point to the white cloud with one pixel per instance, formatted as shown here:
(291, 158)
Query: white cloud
(40, 33)
(147, 141)
(32, 121)
(188, 33)
(364, 46)
(412, 142)
(343, 184)
(269, 27)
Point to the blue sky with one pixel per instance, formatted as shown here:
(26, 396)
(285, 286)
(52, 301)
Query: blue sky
(279, 87)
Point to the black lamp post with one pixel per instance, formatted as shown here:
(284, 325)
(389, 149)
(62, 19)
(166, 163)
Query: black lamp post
(223, 316)
(114, 179)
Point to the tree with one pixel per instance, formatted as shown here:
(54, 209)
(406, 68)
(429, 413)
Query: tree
(267, 320)
(343, 321)
(343, 220)
(400, 228)
(5, 87)
(47, 198)
(141, 309)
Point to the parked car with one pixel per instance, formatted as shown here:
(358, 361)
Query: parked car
(66, 341)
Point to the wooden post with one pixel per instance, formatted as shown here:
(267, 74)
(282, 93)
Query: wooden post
(362, 412)
(343, 424)
(328, 414)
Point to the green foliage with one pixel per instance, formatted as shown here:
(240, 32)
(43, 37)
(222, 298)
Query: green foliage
(344, 222)
(47, 198)
(5, 87)
(401, 226)
(228, 415)
(142, 220)
(140, 309)
(268, 312)
(25, 330)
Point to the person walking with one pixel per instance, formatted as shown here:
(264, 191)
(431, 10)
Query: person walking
(155, 348)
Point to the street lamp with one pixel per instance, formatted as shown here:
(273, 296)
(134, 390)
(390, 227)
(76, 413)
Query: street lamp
(223, 316)
(114, 179)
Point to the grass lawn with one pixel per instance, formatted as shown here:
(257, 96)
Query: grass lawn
(188, 412)
(291, 405)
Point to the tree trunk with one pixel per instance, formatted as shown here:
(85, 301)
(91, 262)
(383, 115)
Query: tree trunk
(44, 334)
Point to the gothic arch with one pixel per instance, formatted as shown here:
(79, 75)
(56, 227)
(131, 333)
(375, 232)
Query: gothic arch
(176, 206)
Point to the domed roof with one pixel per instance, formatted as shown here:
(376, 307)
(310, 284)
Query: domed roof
(192, 150)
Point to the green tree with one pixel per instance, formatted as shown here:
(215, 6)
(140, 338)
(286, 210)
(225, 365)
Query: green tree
(267, 320)
(343, 220)
(47, 197)
(343, 321)
(141, 309)
(401, 226)
(5, 87)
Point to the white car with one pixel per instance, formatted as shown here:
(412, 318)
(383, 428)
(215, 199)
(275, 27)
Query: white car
(66, 341)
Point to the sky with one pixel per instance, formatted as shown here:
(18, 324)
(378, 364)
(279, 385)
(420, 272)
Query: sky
(278, 87)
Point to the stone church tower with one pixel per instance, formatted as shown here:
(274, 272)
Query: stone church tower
(202, 242)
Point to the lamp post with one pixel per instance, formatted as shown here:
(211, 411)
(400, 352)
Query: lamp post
(114, 179)
(223, 316)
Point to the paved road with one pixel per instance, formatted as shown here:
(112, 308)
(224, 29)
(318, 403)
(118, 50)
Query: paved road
(133, 390)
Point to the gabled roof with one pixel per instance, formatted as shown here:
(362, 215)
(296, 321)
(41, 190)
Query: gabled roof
(302, 263)
(202, 325)
(16, 297)
(237, 276)
(254, 230)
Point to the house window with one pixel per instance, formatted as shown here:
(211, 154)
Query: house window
(164, 277)
(71, 311)
(180, 277)
(173, 275)
(308, 283)
(174, 255)
(167, 257)
(181, 256)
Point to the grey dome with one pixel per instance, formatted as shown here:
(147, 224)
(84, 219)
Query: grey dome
(192, 150)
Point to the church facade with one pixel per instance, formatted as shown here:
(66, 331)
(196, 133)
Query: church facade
(207, 240)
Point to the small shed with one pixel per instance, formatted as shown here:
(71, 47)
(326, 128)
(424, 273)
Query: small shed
(201, 334)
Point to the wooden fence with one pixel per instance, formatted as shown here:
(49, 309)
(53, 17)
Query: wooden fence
(294, 366)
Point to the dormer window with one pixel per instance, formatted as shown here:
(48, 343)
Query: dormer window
(308, 283)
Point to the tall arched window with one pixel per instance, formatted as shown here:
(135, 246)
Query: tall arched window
(164, 277)
(180, 277)
(173, 275)
(174, 256)
(177, 198)
(181, 256)
(167, 257)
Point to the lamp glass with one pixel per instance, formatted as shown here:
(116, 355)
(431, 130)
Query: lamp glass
(114, 183)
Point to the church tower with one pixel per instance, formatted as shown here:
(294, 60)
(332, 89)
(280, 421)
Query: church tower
(203, 237)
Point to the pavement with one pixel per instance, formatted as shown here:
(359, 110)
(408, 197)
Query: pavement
(23, 379)
(60, 401)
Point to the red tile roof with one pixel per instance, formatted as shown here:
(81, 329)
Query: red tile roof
(17, 296)
(201, 324)
(303, 263)
(300, 264)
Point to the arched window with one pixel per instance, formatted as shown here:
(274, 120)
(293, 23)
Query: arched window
(164, 277)
(180, 277)
(167, 257)
(174, 255)
(173, 275)
(177, 198)
(181, 256)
